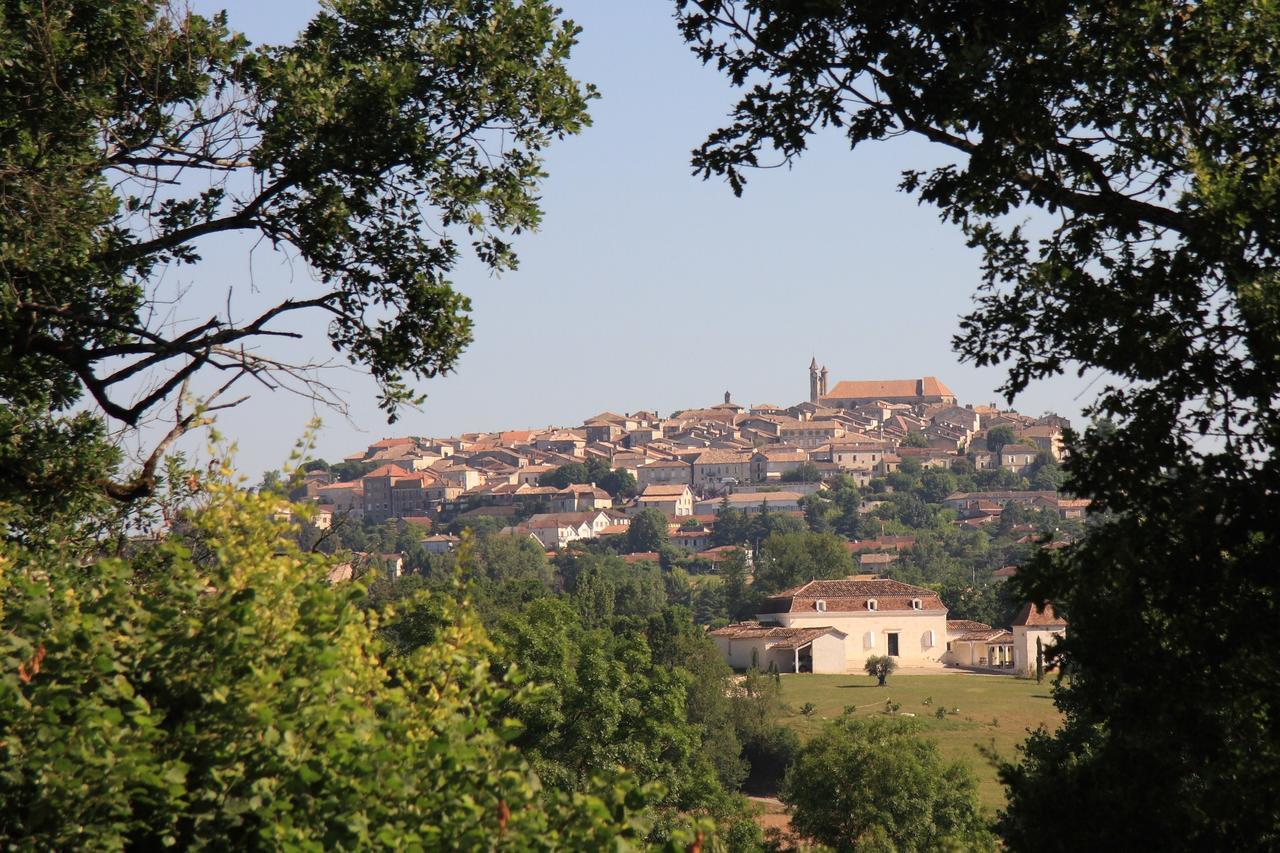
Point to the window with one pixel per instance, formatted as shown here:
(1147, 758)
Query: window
(820, 605)
(929, 639)
(871, 604)
(915, 604)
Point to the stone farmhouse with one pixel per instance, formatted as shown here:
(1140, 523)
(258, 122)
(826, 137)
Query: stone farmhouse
(862, 616)
(833, 626)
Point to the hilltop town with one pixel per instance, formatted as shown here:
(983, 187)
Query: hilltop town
(565, 483)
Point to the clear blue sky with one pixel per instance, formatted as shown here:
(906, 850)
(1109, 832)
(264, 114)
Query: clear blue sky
(647, 287)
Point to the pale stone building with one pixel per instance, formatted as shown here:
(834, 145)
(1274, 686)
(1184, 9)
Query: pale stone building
(876, 616)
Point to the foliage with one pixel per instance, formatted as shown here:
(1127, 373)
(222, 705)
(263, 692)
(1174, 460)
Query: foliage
(648, 531)
(353, 470)
(805, 472)
(789, 559)
(880, 667)
(367, 149)
(769, 747)
(1112, 163)
(731, 525)
(915, 438)
(998, 437)
(879, 784)
(221, 688)
(619, 483)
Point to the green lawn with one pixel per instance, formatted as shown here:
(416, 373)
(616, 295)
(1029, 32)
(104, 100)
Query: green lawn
(995, 712)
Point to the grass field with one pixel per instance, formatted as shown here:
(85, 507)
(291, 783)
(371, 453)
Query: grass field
(995, 712)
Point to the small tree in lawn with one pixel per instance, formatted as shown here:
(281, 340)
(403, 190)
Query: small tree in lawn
(881, 667)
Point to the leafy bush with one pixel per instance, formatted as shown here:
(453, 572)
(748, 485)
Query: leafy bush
(221, 690)
(894, 791)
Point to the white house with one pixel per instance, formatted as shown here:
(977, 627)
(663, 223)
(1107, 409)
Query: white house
(675, 499)
(875, 616)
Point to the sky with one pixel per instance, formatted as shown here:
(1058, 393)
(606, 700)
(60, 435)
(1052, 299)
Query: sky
(647, 287)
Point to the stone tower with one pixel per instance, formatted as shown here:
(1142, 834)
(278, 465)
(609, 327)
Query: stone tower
(813, 380)
(822, 381)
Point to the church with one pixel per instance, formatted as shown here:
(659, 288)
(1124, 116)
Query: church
(928, 390)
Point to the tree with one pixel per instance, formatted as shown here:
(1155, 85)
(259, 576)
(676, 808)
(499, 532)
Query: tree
(1047, 475)
(648, 531)
(805, 472)
(739, 600)
(366, 149)
(145, 701)
(788, 559)
(565, 475)
(1128, 229)
(880, 667)
(936, 484)
(915, 438)
(731, 526)
(894, 792)
(619, 483)
(998, 437)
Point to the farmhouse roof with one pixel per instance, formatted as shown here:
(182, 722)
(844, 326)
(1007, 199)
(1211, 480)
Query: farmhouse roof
(852, 595)
(966, 626)
(784, 638)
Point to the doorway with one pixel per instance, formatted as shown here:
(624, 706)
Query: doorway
(893, 645)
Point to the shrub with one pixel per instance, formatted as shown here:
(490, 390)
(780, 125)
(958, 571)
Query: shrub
(223, 689)
(880, 667)
(895, 792)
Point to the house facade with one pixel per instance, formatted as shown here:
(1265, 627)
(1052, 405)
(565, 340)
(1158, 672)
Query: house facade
(874, 616)
(675, 500)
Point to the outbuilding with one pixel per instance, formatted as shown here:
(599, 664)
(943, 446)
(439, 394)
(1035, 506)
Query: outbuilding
(751, 644)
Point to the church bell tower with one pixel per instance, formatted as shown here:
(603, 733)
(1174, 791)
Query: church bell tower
(813, 380)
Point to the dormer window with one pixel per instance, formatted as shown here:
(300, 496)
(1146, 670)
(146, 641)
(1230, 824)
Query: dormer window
(871, 604)
(820, 605)
(915, 604)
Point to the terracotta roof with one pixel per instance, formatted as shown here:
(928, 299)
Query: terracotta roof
(875, 389)
(721, 457)
(391, 442)
(1034, 617)
(965, 626)
(656, 490)
(845, 596)
(881, 543)
(784, 454)
(1005, 572)
(783, 638)
(991, 635)
(756, 498)
(566, 518)
(386, 471)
